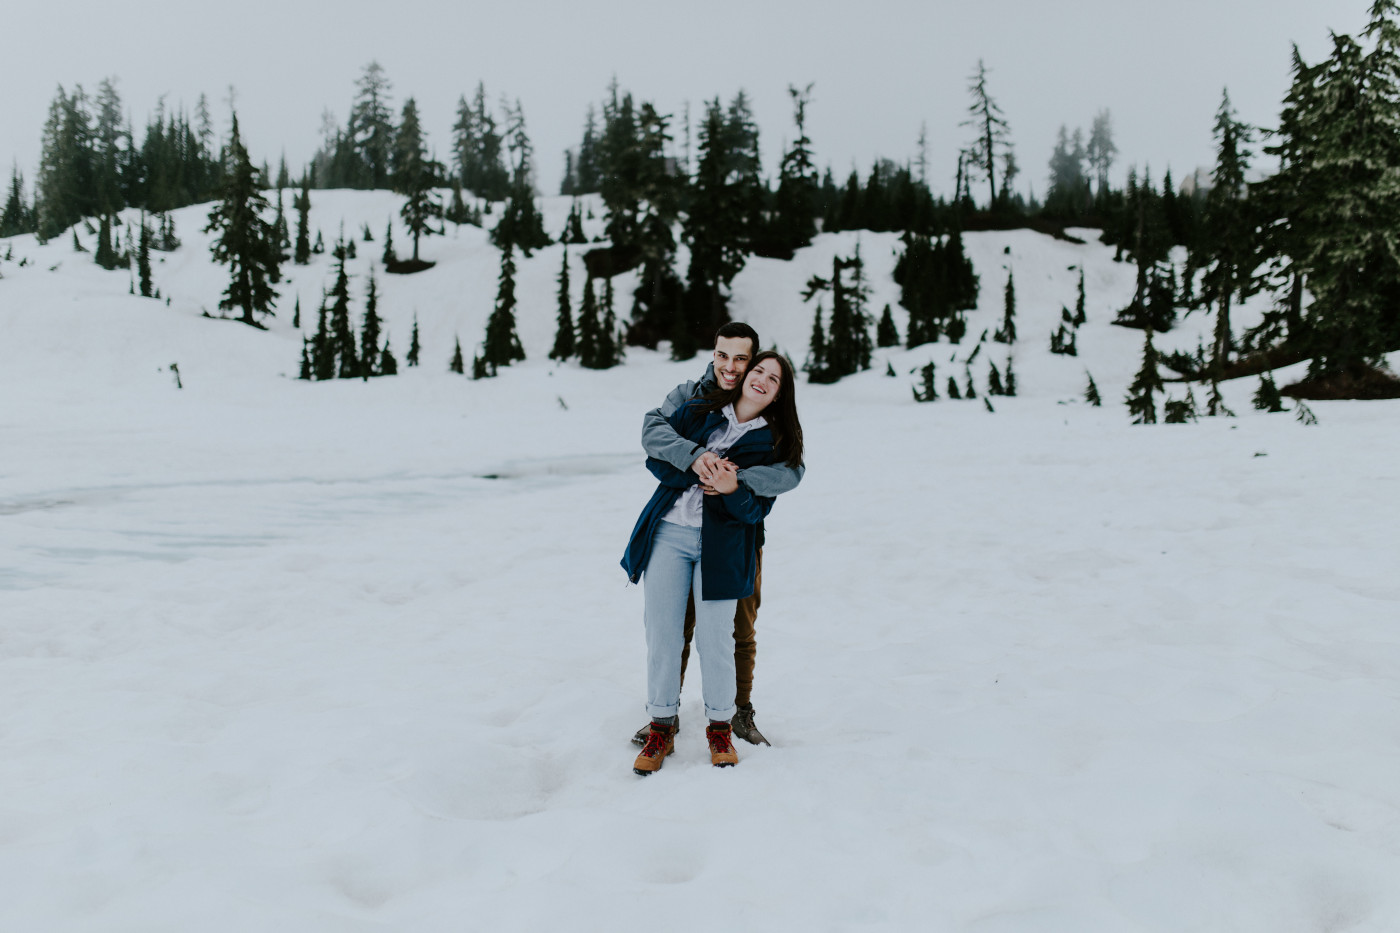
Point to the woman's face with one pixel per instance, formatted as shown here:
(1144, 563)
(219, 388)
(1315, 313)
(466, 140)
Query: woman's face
(763, 382)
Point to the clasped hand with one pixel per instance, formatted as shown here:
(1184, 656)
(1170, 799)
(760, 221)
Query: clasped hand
(718, 477)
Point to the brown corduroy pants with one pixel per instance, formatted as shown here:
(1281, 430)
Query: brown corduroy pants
(745, 647)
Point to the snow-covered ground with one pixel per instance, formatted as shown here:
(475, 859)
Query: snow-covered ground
(359, 656)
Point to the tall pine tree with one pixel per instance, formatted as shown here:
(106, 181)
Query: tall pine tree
(502, 345)
(564, 331)
(243, 240)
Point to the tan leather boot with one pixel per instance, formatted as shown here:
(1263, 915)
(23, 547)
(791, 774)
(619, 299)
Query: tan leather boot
(661, 741)
(722, 754)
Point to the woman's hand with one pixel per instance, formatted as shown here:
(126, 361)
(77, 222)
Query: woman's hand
(724, 479)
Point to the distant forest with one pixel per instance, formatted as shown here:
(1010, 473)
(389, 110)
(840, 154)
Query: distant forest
(1321, 235)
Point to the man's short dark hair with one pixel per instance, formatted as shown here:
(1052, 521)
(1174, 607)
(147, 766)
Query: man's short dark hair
(738, 329)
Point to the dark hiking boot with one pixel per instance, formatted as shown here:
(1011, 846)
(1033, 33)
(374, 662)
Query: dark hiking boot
(744, 728)
(640, 737)
(722, 754)
(661, 741)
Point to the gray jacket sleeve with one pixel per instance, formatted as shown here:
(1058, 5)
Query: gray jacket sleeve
(772, 480)
(660, 440)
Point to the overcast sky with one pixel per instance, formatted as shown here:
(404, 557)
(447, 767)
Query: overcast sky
(881, 69)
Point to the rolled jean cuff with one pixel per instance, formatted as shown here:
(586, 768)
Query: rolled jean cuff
(721, 715)
(664, 712)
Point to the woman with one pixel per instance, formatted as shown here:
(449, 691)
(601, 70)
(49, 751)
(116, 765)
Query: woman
(705, 538)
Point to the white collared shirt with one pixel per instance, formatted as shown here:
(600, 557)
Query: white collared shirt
(689, 507)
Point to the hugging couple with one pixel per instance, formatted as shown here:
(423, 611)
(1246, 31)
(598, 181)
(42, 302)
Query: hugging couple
(723, 448)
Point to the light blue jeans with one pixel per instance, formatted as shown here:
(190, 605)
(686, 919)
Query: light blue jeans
(673, 572)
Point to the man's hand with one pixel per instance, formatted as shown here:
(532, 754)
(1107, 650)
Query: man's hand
(725, 478)
(705, 465)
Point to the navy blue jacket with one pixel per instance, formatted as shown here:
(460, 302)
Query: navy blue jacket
(731, 530)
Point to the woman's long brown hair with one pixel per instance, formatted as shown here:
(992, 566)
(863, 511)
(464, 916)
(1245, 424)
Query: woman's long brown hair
(781, 413)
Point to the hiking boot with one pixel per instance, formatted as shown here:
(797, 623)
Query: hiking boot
(722, 754)
(661, 741)
(640, 737)
(743, 726)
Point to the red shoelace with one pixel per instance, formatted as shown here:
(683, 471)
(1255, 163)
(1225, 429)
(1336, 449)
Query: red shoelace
(656, 741)
(719, 740)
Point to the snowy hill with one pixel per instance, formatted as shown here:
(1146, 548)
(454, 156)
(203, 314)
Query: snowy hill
(358, 655)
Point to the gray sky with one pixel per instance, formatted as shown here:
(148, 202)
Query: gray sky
(881, 68)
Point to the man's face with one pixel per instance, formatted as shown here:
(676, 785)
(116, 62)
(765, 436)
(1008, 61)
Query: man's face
(732, 355)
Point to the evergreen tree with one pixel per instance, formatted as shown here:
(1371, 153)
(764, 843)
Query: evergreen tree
(1336, 201)
(143, 260)
(480, 370)
(390, 257)
(795, 202)
(1215, 402)
(612, 343)
(816, 364)
(369, 332)
(994, 385)
(301, 255)
(1179, 411)
(16, 217)
(717, 227)
(564, 333)
(414, 347)
(105, 256)
(1100, 152)
(849, 343)
(986, 119)
(573, 227)
(1007, 332)
(642, 197)
(1064, 342)
(1068, 195)
(591, 350)
(371, 128)
(458, 364)
(502, 345)
(111, 151)
(1010, 378)
(388, 366)
(1091, 391)
(296, 314)
(243, 240)
(1267, 397)
(886, 335)
(64, 187)
(1227, 248)
(477, 148)
(457, 211)
(521, 224)
(1155, 295)
(953, 391)
(323, 345)
(1141, 403)
(586, 173)
(414, 177)
(305, 370)
(927, 391)
(1079, 318)
(342, 336)
(279, 228)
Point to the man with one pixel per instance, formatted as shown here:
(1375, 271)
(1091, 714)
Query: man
(735, 346)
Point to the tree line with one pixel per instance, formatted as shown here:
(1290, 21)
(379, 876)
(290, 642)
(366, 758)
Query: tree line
(1317, 234)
